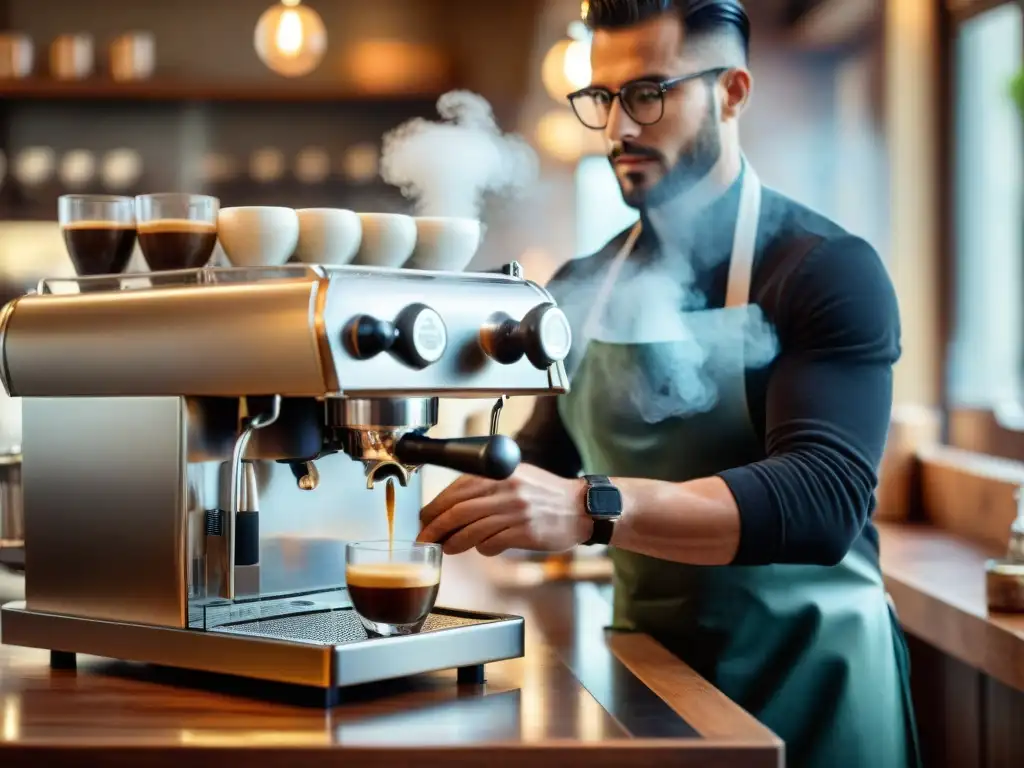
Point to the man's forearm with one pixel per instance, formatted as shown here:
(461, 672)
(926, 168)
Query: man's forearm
(696, 522)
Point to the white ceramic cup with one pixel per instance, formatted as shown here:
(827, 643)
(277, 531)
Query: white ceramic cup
(388, 239)
(328, 236)
(258, 235)
(445, 243)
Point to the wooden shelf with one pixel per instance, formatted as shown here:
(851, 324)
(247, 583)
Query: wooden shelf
(171, 90)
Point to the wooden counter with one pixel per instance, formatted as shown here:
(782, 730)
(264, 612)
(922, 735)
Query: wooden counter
(967, 666)
(937, 581)
(580, 696)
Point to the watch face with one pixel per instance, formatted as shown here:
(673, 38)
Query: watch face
(604, 502)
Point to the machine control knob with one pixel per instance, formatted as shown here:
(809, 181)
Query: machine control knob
(544, 336)
(421, 337)
(417, 337)
(365, 337)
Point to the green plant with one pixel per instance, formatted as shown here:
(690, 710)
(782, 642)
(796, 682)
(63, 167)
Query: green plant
(1017, 90)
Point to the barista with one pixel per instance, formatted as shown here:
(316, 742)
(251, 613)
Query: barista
(735, 488)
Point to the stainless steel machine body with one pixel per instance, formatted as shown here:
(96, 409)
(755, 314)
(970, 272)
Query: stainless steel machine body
(197, 454)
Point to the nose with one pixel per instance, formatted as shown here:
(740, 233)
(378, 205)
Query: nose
(620, 125)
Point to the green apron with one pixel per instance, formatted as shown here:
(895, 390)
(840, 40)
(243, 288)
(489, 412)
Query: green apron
(815, 653)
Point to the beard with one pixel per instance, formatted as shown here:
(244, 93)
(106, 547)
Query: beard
(693, 165)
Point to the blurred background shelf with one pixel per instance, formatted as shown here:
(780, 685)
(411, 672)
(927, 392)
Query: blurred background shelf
(169, 90)
(211, 117)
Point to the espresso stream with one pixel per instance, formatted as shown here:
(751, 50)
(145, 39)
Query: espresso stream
(390, 592)
(389, 500)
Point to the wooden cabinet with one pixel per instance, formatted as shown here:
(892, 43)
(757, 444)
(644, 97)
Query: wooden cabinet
(965, 718)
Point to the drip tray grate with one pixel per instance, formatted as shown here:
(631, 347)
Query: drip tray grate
(335, 627)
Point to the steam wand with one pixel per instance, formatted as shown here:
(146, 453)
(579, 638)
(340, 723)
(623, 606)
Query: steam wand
(496, 413)
(259, 421)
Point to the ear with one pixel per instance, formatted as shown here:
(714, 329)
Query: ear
(736, 86)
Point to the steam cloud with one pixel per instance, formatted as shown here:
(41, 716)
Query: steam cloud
(448, 167)
(656, 301)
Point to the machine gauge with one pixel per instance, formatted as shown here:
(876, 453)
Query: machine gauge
(422, 336)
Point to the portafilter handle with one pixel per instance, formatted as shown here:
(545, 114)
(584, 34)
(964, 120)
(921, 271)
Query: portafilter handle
(495, 457)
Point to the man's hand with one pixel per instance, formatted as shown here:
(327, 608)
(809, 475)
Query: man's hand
(533, 510)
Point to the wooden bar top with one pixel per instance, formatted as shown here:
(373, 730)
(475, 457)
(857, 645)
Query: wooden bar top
(580, 696)
(937, 581)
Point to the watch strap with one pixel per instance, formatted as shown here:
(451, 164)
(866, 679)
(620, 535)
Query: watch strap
(603, 529)
(602, 533)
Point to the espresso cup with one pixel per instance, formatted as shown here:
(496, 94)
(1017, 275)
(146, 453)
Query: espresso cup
(393, 586)
(176, 231)
(388, 239)
(258, 235)
(328, 236)
(445, 243)
(99, 232)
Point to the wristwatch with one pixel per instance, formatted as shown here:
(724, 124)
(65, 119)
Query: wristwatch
(604, 505)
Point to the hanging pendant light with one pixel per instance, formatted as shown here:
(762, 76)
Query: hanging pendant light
(290, 38)
(566, 67)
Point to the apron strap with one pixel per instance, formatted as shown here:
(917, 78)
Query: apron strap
(744, 246)
(604, 292)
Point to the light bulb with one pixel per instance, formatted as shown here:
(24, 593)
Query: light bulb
(566, 68)
(577, 63)
(560, 135)
(290, 38)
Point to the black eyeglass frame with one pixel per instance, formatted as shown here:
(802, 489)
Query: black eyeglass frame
(662, 86)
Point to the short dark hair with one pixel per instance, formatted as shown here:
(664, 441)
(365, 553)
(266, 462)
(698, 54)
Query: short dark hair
(699, 17)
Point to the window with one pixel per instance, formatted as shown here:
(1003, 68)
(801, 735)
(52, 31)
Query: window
(985, 369)
(600, 212)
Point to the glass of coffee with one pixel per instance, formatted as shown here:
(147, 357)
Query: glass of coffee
(176, 230)
(392, 586)
(99, 232)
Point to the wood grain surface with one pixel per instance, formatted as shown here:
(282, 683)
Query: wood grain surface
(937, 581)
(567, 702)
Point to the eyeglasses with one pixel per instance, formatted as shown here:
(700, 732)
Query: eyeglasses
(642, 100)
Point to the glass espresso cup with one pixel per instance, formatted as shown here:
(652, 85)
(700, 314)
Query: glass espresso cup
(392, 589)
(99, 232)
(176, 230)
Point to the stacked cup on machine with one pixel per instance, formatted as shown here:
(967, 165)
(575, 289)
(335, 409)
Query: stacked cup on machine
(179, 231)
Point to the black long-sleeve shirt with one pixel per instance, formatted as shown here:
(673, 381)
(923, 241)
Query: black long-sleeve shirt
(822, 406)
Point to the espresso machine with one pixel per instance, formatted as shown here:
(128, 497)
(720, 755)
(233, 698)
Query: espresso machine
(197, 450)
(12, 541)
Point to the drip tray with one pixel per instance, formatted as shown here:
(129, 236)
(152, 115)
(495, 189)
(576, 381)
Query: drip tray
(337, 627)
(325, 648)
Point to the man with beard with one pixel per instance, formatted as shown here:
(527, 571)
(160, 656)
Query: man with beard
(731, 393)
